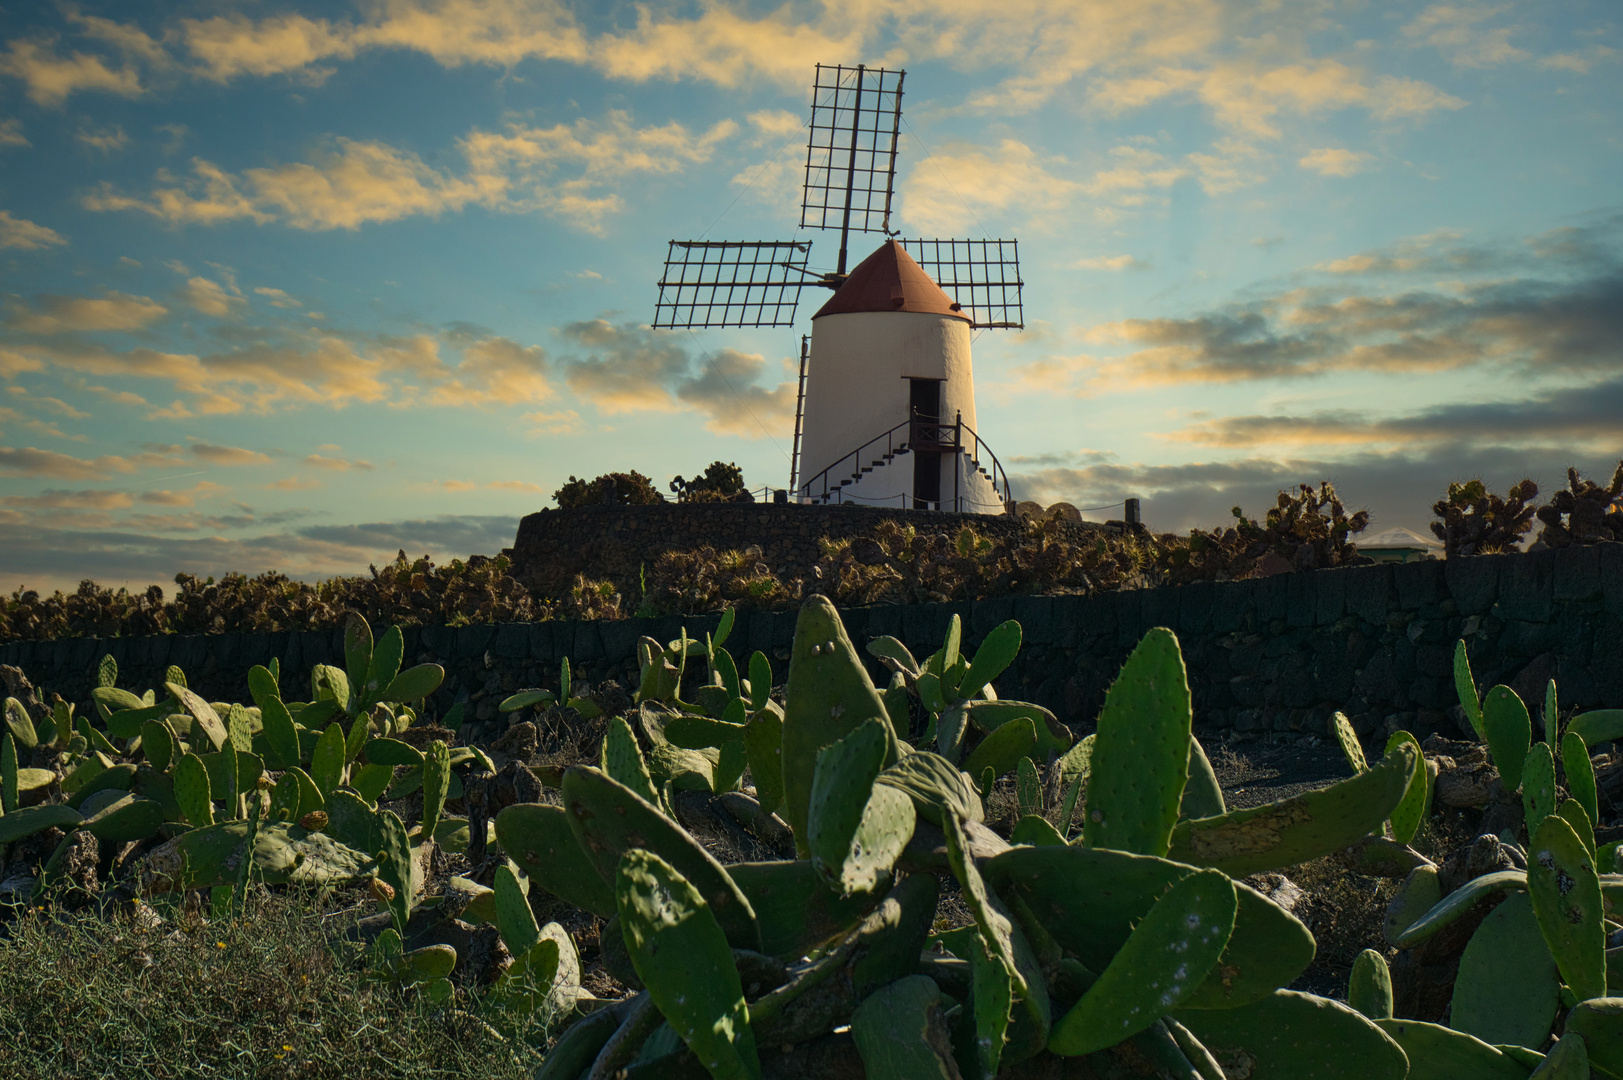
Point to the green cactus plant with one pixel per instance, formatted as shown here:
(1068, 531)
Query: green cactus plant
(1507, 950)
(1140, 757)
(1369, 987)
(681, 954)
(1168, 954)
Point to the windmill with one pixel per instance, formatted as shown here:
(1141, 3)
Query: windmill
(885, 404)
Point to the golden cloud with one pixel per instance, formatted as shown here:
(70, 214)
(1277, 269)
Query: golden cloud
(112, 311)
(570, 171)
(25, 235)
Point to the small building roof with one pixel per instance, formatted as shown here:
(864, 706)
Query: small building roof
(889, 280)
(1397, 538)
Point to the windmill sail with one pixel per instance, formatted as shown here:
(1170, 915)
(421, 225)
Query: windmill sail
(982, 275)
(740, 283)
(856, 118)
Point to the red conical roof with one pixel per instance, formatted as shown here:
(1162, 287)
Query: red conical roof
(889, 280)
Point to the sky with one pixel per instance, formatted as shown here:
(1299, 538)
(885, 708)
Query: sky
(290, 287)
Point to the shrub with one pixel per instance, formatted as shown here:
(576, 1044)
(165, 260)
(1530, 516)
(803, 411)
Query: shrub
(1584, 512)
(720, 482)
(630, 488)
(1477, 522)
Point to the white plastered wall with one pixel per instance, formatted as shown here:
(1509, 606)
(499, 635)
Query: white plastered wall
(857, 388)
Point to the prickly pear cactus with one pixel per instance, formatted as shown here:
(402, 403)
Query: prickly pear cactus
(1509, 731)
(1141, 752)
(1165, 958)
(1566, 898)
(829, 695)
(1507, 950)
(192, 791)
(856, 828)
(1291, 1034)
(681, 954)
(1299, 828)
(1369, 988)
(540, 840)
(610, 819)
(900, 1032)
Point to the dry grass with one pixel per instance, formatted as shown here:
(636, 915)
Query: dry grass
(161, 993)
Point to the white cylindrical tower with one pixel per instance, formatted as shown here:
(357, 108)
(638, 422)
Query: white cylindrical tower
(890, 395)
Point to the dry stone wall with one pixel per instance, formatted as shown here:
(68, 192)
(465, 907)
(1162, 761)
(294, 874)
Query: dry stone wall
(615, 542)
(1277, 654)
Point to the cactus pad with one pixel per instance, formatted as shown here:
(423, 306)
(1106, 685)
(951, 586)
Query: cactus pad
(1296, 829)
(1300, 1036)
(1440, 1053)
(1141, 752)
(1509, 731)
(1369, 988)
(1168, 954)
(540, 840)
(610, 819)
(900, 1032)
(1090, 898)
(1507, 950)
(828, 695)
(794, 906)
(1566, 898)
(681, 954)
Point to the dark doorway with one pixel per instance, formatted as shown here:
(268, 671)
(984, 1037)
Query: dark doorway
(926, 398)
(925, 406)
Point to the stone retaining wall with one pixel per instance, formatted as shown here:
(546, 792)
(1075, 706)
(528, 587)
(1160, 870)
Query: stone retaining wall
(615, 542)
(1277, 654)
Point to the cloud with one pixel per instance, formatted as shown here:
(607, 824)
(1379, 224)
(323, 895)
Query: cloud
(1111, 262)
(203, 489)
(726, 391)
(282, 365)
(228, 455)
(24, 234)
(145, 550)
(112, 311)
(633, 368)
(1249, 94)
(569, 171)
(630, 369)
(31, 461)
(294, 483)
(1458, 31)
(451, 486)
(11, 133)
(319, 461)
(1587, 418)
(211, 298)
(492, 371)
(277, 298)
(51, 77)
(560, 422)
(516, 485)
(1230, 165)
(69, 500)
(719, 45)
(1565, 318)
(108, 140)
(1335, 161)
(1011, 177)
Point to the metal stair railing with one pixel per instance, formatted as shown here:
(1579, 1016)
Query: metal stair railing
(922, 433)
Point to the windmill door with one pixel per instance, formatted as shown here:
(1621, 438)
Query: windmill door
(925, 410)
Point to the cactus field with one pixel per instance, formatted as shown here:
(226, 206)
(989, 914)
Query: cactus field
(752, 873)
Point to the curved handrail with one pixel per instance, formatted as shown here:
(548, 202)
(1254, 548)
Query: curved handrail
(921, 431)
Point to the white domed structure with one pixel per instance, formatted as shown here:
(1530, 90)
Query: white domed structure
(889, 412)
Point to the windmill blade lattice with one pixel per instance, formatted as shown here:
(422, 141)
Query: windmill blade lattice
(982, 275)
(856, 117)
(731, 283)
